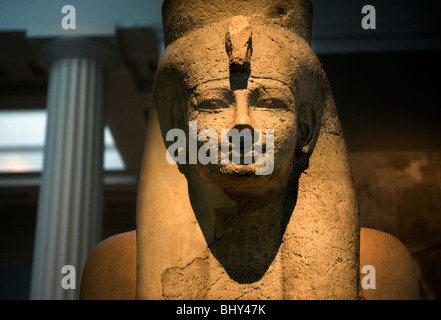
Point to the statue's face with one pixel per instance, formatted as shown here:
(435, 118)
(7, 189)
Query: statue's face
(266, 97)
(265, 104)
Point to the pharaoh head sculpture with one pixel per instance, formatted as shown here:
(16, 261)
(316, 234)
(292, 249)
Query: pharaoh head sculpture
(241, 69)
(218, 218)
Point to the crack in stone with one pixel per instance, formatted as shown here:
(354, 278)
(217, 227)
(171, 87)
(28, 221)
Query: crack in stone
(177, 283)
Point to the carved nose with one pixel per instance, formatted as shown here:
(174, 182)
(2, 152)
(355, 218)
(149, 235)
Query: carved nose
(242, 122)
(241, 139)
(242, 117)
(241, 135)
(241, 127)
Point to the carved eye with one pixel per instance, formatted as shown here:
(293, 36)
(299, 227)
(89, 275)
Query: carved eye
(213, 104)
(272, 103)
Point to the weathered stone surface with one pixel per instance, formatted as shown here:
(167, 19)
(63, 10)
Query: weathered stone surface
(286, 235)
(183, 16)
(238, 44)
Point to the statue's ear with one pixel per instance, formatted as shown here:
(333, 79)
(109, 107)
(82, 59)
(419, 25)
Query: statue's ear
(307, 133)
(306, 122)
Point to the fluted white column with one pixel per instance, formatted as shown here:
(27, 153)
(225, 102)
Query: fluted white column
(69, 215)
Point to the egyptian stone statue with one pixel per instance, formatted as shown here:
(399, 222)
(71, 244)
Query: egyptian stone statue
(281, 225)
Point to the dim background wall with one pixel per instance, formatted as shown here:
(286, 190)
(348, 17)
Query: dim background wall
(390, 112)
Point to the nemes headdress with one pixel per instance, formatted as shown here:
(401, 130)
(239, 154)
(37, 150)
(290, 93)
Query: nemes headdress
(226, 35)
(183, 16)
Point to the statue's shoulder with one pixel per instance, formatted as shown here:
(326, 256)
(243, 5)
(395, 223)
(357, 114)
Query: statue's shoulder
(110, 270)
(394, 275)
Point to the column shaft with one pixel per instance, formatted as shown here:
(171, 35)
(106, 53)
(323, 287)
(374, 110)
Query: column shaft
(70, 199)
